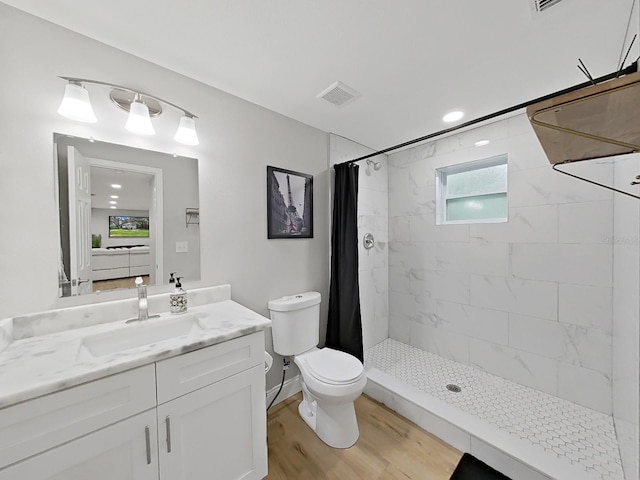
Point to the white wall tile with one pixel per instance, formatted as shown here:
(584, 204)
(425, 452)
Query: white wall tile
(521, 367)
(548, 269)
(399, 328)
(480, 258)
(579, 264)
(442, 342)
(585, 305)
(586, 347)
(527, 297)
(476, 322)
(399, 229)
(585, 387)
(589, 222)
(444, 286)
(412, 201)
(373, 202)
(628, 439)
(535, 335)
(538, 224)
(412, 255)
(543, 186)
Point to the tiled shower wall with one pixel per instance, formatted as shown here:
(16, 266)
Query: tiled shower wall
(626, 314)
(529, 300)
(373, 217)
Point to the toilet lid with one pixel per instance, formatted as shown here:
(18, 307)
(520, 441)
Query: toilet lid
(333, 366)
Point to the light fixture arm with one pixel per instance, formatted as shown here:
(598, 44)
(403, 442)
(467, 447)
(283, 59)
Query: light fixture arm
(80, 81)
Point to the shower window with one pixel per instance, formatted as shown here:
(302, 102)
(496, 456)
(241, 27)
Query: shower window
(474, 192)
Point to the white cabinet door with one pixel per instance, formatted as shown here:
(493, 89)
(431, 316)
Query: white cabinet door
(218, 431)
(124, 451)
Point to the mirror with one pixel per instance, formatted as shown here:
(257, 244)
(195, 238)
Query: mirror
(124, 212)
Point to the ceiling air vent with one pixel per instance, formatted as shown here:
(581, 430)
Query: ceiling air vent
(338, 94)
(540, 5)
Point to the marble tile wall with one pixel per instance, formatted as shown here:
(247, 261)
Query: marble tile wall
(626, 314)
(373, 218)
(530, 300)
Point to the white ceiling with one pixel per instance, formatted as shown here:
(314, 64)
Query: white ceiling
(412, 60)
(134, 193)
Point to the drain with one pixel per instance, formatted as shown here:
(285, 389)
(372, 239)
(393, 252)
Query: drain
(454, 388)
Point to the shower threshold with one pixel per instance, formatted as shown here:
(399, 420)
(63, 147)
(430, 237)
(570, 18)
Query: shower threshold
(523, 432)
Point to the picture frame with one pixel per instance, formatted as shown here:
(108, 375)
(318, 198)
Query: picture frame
(289, 204)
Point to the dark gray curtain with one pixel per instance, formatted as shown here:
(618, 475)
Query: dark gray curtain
(344, 327)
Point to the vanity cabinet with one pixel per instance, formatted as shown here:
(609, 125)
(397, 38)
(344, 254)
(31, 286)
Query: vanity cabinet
(217, 431)
(114, 452)
(199, 415)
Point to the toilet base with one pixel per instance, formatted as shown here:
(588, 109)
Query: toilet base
(334, 423)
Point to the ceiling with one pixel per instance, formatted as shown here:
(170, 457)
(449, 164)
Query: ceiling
(412, 60)
(134, 192)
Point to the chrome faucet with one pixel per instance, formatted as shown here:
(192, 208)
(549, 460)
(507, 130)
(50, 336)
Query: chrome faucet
(143, 304)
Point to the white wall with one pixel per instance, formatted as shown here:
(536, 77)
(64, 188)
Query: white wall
(237, 140)
(372, 218)
(529, 300)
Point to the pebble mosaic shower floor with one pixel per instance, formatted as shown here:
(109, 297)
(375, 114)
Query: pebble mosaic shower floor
(575, 434)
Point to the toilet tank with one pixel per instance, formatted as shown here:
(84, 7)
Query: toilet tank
(295, 323)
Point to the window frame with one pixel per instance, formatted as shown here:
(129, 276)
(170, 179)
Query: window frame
(442, 196)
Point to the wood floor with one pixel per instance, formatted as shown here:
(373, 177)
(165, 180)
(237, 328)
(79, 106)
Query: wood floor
(101, 285)
(389, 447)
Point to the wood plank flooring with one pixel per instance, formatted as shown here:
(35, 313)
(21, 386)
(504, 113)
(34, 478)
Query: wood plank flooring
(129, 282)
(389, 447)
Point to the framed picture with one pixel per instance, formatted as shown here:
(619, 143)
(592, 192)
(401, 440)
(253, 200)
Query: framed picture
(289, 204)
(128, 226)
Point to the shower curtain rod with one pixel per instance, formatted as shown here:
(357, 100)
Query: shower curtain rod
(630, 69)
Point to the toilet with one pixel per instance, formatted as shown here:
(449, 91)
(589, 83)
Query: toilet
(331, 380)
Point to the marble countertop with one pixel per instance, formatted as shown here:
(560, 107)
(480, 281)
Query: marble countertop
(39, 365)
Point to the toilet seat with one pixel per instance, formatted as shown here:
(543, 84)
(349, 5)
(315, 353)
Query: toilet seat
(332, 367)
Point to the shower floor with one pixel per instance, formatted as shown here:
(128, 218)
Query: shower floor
(562, 431)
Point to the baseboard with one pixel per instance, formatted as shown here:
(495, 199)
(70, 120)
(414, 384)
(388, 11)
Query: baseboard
(290, 388)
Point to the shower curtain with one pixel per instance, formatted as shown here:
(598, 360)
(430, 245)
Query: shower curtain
(344, 326)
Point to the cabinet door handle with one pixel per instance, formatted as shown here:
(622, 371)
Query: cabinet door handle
(167, 421)
(148, 440)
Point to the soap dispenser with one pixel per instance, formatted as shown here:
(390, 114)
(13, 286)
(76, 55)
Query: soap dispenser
(178, 298)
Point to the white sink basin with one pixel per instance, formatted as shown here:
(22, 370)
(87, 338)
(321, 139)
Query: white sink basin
(136, 335)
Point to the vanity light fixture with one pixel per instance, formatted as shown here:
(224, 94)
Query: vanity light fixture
(76, 105)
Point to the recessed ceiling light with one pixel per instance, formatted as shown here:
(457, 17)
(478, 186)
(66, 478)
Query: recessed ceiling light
(113, 202)
(115, 185)
(453, 116)
(112, 207)
(114, 196)
(482, 143)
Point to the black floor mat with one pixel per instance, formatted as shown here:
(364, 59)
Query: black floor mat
(470, 468)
